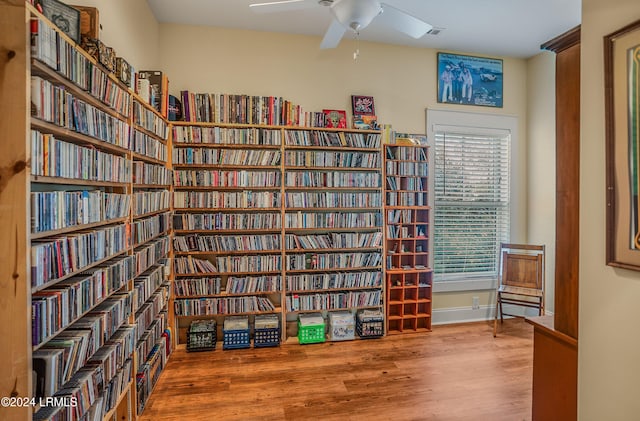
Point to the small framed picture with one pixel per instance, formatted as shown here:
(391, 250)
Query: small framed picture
(469, 80)
(362, 105)
(335, 118)
(65, 17)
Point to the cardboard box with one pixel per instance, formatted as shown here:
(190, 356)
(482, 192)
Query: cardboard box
(89, 21)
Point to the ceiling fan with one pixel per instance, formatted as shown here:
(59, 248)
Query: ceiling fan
(353, 15)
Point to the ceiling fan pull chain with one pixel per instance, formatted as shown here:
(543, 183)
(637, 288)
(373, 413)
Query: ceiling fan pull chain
(356, 53)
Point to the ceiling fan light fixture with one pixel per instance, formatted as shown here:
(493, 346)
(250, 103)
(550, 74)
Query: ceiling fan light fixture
(356, 14)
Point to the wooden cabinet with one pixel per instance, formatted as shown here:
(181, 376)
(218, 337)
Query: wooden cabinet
(555, 342)
(408, 243)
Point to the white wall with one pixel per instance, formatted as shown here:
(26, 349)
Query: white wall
(541, 163)
(130, 28)
(609, 342)
(402, 80)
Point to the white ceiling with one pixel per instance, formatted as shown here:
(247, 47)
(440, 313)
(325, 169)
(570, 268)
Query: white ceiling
(511, 28)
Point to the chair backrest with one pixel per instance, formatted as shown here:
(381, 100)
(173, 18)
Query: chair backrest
(522, 265)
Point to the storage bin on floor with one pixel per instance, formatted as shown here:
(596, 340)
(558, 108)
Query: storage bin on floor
(370, 324)
(341, 326)
(310, 328)
(236, 332)
(266, 331)
(201, 335)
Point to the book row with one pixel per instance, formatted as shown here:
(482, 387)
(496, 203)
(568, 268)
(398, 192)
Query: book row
(94, 389)
(61, 209)
(146, 315)
(190, 265)
(232, 305)
(51, 157)
(80, 342)
(406, 153)
(406, 183)
(253, 284)
(57, 307)
(149, 339)
(217, 243)
(146, 284)
(144, 173)
(332, 178)
(406, 199)
(53, 50)
(196, 286)
(147, 145)
(227, 221)
(232, 178)
(397, 216)
(152, 253)
(339, 280)
(324, 138)
(333, 240)
(333, 301)
(214, 199)
(241, 109)
(332, 159)
(254, 264)
(68, 254)
(333, 261)
(226, 136)
(396, 231)
(149, 120)
(333, 220)
(55, 105)
(236, 157)
(145, 229)
(407, 168)
(150, 201)
(330, 199)
(149, 372)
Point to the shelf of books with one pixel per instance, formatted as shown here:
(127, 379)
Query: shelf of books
(408, 227)
(96, 244)
(150, 228)
(227, 223)
(332, 223)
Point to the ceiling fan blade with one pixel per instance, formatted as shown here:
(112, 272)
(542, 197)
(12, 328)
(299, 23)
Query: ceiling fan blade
(333, 36)
(403, 22)
(282, 6)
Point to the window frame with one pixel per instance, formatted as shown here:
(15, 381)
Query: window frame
(484, 123)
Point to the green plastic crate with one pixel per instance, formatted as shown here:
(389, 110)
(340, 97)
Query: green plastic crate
(310, 330)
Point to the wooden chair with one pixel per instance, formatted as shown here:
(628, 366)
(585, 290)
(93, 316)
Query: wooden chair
(521, 279)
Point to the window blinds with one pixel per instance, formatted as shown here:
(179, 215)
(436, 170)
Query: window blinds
(471, 202)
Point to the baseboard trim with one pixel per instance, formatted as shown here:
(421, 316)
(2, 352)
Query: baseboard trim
(450, 315)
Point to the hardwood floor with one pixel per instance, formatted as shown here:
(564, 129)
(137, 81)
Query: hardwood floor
(456, 372)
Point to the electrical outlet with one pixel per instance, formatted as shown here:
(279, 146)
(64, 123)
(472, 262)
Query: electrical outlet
(476, 303)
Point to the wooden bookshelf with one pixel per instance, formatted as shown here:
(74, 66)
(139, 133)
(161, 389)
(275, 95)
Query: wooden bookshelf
(408, 240)
(57, 207)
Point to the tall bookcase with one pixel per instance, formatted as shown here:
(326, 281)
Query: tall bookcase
(275, 220)
(228, 236)
(85, 250)
(408, 228)
(332, 221)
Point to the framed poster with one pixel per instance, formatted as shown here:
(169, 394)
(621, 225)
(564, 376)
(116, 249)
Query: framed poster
(64, 17)
(362, 105)
(335, 118)
(469, 80)
(622, 119)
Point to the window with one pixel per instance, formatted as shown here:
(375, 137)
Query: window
(472, 201)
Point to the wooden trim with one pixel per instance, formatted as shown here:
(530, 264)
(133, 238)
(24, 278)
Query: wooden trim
(15, 282)
(563, 41)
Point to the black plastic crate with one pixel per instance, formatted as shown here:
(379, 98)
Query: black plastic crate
(370, 324)
(201, 335)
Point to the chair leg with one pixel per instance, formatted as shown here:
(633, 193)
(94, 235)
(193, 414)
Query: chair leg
(495, 319)
(501, 315)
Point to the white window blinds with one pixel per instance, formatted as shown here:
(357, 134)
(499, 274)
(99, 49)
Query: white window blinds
(471, 201)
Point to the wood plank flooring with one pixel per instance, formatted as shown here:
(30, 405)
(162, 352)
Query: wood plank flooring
(456, 372)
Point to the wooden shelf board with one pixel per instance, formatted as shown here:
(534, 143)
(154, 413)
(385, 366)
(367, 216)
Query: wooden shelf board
(141, 157)
(274, 311)
(224, 294)
(204, 274)
(349, 269)
(148, 240)
(217, 210)
(226, 188)
(75, 182)
(149, 133)
(332, 148)
(151, 186)
(224, 253)
(314, 291)
(44, 234)
(152, 213)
